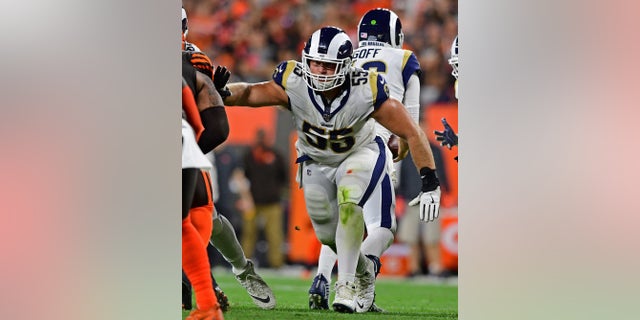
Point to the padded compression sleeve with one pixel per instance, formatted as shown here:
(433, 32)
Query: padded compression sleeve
(216, 128)
(412, 98)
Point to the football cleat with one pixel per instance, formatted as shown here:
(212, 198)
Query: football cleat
(213, 313)
(319, 293)
(366, 287)
(375, 308)
(222, 299)
(187, 303)
(345, 299)
(259, 291)
(377, 265)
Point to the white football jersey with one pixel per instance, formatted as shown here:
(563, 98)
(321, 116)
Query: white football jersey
(328, 133)
(395, 65)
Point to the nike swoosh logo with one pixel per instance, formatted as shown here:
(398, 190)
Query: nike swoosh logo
(263, 300)
(360, 305)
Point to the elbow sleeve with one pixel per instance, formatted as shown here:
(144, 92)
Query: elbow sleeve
(216, 128)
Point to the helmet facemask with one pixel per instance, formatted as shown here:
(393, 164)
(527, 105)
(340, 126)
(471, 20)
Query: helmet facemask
(324, 82)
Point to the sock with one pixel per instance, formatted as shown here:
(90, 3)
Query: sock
(326, 261)
(196, 266)
(378, 240)
(224, 239)
(349, 235)
(201, 220)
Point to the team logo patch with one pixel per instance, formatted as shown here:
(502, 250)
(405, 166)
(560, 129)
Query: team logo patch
(308, 172)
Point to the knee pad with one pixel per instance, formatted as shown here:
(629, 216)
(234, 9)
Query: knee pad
(350, 190)
(318, 205)
(350, 213)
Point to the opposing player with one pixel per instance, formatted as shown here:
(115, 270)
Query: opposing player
(448, 138)
(198, 70)
(341, 159)
(194, 255)
(380, 49)
(188, 46)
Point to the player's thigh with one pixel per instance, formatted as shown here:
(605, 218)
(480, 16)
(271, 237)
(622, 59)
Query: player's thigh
(360, 173)
(319, 192)
(202, 196)
(379, 210)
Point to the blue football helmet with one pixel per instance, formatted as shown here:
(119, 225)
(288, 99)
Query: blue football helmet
(328, 45)
(453, 61)
(381, 25)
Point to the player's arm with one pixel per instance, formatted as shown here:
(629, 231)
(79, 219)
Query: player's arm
(212, 113)
(411, 101)
(260, 94)
(191, 109)
(393, 116)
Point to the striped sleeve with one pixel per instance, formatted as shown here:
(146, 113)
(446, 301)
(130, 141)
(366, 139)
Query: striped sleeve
(379, 89)
(282, 72)
(410, 65)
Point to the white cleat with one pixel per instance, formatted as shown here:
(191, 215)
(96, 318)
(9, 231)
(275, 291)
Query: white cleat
(365, 288)
(345, 299)
(259, 291)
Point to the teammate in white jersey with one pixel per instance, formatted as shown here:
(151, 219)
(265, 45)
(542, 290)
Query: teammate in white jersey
(380, 49)
(341, 159)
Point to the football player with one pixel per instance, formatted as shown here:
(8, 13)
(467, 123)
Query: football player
(341, 159)
(380, 49)
(194, 255)
(198, 70)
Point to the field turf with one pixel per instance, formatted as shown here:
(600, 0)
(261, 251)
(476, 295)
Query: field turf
(401, 298)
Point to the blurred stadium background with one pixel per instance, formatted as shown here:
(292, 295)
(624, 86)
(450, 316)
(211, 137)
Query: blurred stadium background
(252, 37)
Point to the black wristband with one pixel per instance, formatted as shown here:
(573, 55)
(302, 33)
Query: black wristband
(429, 179)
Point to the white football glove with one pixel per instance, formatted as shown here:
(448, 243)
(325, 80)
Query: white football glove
(429, 204)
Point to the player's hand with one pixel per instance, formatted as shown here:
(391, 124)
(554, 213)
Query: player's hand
(202, 63)
(447, 137)
(220, 78)
(429, 204)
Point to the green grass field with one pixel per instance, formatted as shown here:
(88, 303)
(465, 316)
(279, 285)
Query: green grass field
(401, 298)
